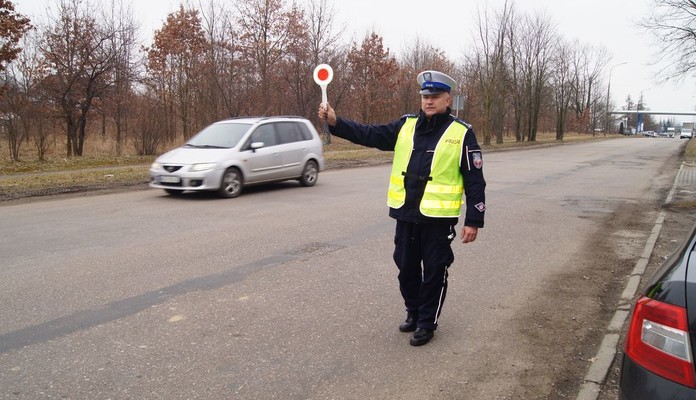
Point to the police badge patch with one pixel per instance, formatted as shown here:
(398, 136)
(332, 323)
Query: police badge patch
(477, 159)
(481, 207)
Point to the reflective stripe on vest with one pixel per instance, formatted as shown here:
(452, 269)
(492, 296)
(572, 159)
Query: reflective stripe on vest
(443, 193)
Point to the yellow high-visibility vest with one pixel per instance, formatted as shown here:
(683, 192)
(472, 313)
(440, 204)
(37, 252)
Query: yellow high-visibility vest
(443, 193)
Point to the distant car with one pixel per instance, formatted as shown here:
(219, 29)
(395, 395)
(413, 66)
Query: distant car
(233, 153)
(658, 357)
(685, 135)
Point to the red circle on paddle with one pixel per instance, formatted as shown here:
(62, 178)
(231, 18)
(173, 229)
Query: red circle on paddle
(323, 74)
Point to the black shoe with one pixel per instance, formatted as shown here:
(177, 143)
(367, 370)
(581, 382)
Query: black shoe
(410, 324)
(421, 336)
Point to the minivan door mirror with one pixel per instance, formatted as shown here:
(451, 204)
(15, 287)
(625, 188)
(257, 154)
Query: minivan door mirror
(256, 145)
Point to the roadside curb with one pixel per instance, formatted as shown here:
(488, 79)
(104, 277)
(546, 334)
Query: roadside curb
(601, 363)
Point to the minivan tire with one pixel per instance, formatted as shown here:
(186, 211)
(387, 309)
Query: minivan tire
(310, 174)
(231, 183)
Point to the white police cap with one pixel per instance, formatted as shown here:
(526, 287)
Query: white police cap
(434, 82)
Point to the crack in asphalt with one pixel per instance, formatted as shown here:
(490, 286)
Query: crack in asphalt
(96, 316)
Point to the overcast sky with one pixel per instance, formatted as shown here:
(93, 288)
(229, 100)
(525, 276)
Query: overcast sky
(449, 24)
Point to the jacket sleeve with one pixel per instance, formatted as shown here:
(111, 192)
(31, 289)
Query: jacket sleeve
(382, 137)
(474, 183)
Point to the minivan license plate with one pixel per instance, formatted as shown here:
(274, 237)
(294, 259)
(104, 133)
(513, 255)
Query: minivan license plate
(170, 179)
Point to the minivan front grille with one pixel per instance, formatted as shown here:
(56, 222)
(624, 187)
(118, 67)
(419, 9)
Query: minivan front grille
(172, 168)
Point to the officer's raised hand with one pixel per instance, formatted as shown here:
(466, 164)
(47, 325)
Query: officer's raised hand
(327, 114)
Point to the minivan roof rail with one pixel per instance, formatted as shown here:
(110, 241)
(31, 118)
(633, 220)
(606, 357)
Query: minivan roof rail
(281, 116)
(263, 117)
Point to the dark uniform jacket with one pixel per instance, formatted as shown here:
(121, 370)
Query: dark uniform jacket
(427, 135)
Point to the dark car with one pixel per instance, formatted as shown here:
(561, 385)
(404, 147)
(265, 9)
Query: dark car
(658, 359)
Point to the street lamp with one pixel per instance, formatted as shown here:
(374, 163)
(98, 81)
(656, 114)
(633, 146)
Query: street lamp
(640, 99)
(606, 113)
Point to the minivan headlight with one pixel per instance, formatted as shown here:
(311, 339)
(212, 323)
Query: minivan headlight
(202, 167)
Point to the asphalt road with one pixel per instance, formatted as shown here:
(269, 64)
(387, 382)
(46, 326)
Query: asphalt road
(291, 293)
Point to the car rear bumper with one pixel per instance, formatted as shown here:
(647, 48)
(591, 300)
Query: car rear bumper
(637, 383)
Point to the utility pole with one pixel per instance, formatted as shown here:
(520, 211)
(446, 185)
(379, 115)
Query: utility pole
(606, 111)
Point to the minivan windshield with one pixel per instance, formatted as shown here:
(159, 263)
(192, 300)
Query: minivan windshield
(219, 135)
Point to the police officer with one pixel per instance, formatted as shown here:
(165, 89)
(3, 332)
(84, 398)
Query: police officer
(437, 162)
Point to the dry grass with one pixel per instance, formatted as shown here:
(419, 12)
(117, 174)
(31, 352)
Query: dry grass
(684, 205)
(72, 164)
(69, 181)
(690, 152)
(689, 158)
(548, 138)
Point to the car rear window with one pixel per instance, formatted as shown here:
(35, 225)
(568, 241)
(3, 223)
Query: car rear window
(219, 135)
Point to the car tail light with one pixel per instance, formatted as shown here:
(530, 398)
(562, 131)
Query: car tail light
(658, 340)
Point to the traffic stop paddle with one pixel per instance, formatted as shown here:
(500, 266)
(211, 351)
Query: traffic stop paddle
(323, 74)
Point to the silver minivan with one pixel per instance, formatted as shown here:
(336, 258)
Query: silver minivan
(233, 153)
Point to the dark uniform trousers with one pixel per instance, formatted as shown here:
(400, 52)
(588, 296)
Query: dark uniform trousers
(423, 254)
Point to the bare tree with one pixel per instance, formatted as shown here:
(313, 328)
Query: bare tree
(17, 80)
(21, 110)
(12, 27)
(532, 50)
(117, 102)
(77, 50)
(14, 121)
(297, 66)
(560, 83)
(588, 64)
(175, 62)
(150, 115)
(266, 34)
(490, 70)
(227, 83)
(517, 85)
(537, 69)
(32, 70)
(211, 98)
(673, 26)
(324, 36)
(325, 46)
(372, 70)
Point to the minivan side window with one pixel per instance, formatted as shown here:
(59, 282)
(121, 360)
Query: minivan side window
(266, 134)
(290, 132)
(306, 134)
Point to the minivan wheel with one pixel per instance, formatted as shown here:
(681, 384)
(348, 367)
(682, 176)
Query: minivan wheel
(231, 185)
(310, 174)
